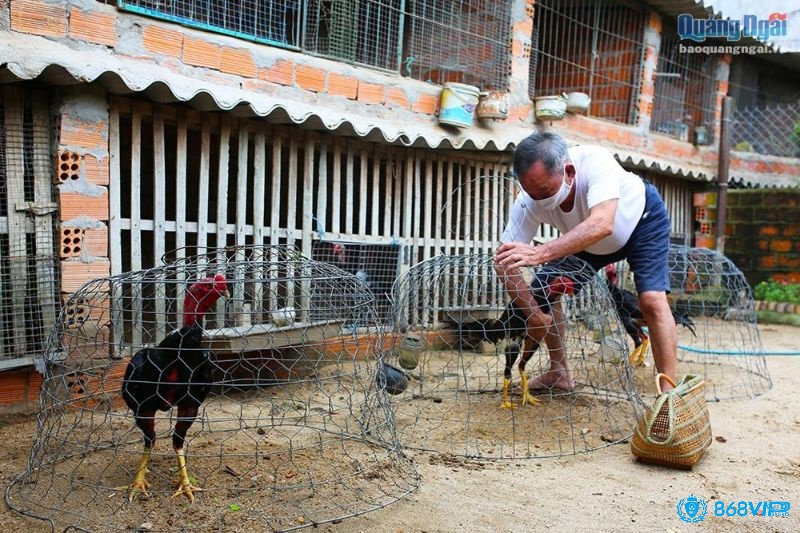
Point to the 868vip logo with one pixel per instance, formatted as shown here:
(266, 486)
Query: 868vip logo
(694, 509)
(748, 508)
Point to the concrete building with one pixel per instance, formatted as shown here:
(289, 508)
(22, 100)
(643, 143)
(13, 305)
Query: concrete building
(134, 128)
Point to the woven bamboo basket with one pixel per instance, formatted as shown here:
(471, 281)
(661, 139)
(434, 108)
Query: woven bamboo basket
(676, 430)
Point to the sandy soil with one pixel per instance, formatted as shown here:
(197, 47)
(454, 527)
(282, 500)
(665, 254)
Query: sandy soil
(755, 457)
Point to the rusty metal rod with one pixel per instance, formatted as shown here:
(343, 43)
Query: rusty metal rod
(722, 172)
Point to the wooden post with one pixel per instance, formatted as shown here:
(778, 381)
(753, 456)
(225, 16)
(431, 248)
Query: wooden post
(374, 228)
(259, 212)
(303, 313)
(203, 189)
(136, 230)
(291, 214)
(43, 223)
(222, 200)
(349, 190)
(277, 155)
(159, 220)
(115, 231)
(336, 195)
(181, 155)
(15, 195)
(363, 194)
(242, 177)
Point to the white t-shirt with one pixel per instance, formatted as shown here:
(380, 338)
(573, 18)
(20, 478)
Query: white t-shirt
(598, 177)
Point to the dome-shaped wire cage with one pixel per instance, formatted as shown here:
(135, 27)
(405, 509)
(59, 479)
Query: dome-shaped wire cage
(727, 350)
(445, 310)
(292, 429)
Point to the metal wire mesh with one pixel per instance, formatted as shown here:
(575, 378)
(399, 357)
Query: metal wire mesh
(294, 431)
(366, 32)
(453, 400)
(685, 90)
(463, 41)
(276, 22)
(773, 130)
(28, 276)
(375, 265)
(591, 47)
(708, 289)
(475, 215)
(727, 351)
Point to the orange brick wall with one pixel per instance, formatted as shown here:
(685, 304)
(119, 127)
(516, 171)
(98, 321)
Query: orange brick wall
(225, 60)
(763, 233)
(82, 179)
(19, 390)
(256, 67)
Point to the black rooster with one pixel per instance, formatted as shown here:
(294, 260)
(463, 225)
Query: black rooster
(513, 326)
(176, 373)
(627, 306)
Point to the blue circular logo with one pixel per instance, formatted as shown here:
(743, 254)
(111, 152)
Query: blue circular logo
(692, 509)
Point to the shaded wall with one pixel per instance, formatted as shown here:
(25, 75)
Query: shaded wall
(763, 233)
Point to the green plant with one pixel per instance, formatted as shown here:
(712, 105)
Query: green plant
(778, 291)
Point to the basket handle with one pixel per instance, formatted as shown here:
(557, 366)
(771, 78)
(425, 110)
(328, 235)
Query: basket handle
(669, 380)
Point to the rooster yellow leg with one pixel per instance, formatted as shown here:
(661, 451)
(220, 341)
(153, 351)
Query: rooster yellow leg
(139, 485)
(633, 358)
(506, 401)
(643, 353)
(527, 397)
(529, 347)
(185, 487)
(511, 353)
(145, 420)
(638, 354)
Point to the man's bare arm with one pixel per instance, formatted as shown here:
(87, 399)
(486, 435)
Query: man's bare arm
(597, 226)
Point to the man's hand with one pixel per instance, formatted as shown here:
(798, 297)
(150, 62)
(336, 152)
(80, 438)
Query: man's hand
(513, 255)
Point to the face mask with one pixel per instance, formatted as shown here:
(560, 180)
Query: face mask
(554, 201)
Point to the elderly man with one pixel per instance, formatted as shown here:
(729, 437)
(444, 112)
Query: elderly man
(605, 214)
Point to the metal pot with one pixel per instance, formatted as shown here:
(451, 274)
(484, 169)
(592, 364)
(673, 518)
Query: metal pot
(409, 352)
(492, 105)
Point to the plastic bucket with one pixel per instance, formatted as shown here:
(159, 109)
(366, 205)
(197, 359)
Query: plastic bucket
(458, 104)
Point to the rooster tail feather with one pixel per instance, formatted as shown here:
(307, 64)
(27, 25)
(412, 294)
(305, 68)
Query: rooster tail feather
(686, 322)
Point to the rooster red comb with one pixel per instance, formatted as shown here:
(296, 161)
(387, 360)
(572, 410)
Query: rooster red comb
(201, 296)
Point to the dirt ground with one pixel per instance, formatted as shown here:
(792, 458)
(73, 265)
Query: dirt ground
(755, 457)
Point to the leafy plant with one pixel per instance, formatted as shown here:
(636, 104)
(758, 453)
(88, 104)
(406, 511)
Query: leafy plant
(778, 291)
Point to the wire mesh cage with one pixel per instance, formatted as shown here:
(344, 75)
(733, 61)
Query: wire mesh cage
(366, 32)
(276, 411)
(570, 42)
(462, 41)
(376, 265)
(718, 334)
(277, 22)
(28, 257)
(457, 343)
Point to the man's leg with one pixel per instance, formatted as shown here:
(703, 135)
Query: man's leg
(544, 326)
(663, 332)
(520, 292)
(558, 376)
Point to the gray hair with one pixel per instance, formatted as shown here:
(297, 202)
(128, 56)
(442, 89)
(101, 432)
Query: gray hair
(547, 148)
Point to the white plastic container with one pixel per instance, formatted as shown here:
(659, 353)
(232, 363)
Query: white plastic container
(458, 104)
(578, 102)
